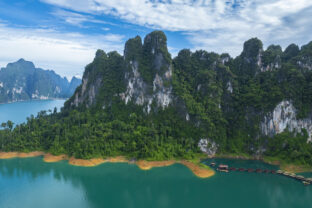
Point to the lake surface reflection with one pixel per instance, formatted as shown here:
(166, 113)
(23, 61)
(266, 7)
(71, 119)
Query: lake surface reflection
(32, 183)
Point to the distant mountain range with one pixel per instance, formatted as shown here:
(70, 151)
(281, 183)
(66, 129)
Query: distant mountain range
(21, 80)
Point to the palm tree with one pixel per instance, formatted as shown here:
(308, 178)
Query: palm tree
(3, 125)
(10, 124)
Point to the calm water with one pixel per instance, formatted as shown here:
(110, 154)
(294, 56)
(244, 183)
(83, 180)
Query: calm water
(19, 111)
(31, 183)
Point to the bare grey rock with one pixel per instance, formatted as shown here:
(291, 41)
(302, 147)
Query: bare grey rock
(284, 117)
(208, 146)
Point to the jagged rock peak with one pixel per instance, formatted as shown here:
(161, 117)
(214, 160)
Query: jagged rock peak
(133, 49)
(276, 49)
(22, 62)
(251, 58)
(252, 48)
(307, 49)
(155, 43)
(291, 51)
(225, 57)
(99, 53)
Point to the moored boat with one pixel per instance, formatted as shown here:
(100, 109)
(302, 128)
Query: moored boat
(223, 168)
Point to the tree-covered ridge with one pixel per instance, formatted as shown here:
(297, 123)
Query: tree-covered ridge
(21, 80)
(146, 105)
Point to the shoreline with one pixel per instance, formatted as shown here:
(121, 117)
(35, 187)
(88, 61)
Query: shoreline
(288, 167)
(201, 171)
(194, 166)
(9, 155)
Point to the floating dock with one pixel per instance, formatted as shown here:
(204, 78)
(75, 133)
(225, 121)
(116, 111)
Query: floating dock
(226, 168)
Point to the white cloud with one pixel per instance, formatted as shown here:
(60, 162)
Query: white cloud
(219, 25)
(66, 53)
(76, 18)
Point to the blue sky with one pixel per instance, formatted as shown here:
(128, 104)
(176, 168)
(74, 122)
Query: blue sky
(63, 35)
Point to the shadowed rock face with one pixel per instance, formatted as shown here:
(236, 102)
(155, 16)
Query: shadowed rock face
(21, 80)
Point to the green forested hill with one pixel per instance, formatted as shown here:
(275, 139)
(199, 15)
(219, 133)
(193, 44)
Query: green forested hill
(146, 104)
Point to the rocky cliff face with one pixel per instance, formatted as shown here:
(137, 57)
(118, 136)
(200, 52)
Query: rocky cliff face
(208, 147)
(87, 93)
(23, 81)
(146, 71)
(282, 118)
(221, 97)
(140, 90)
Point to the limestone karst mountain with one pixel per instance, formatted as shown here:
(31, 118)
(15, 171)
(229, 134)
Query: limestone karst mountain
(147, 104)
(21, 80)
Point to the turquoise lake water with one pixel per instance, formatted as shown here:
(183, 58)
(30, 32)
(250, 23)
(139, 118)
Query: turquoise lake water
(31, 183)
(19, 111)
